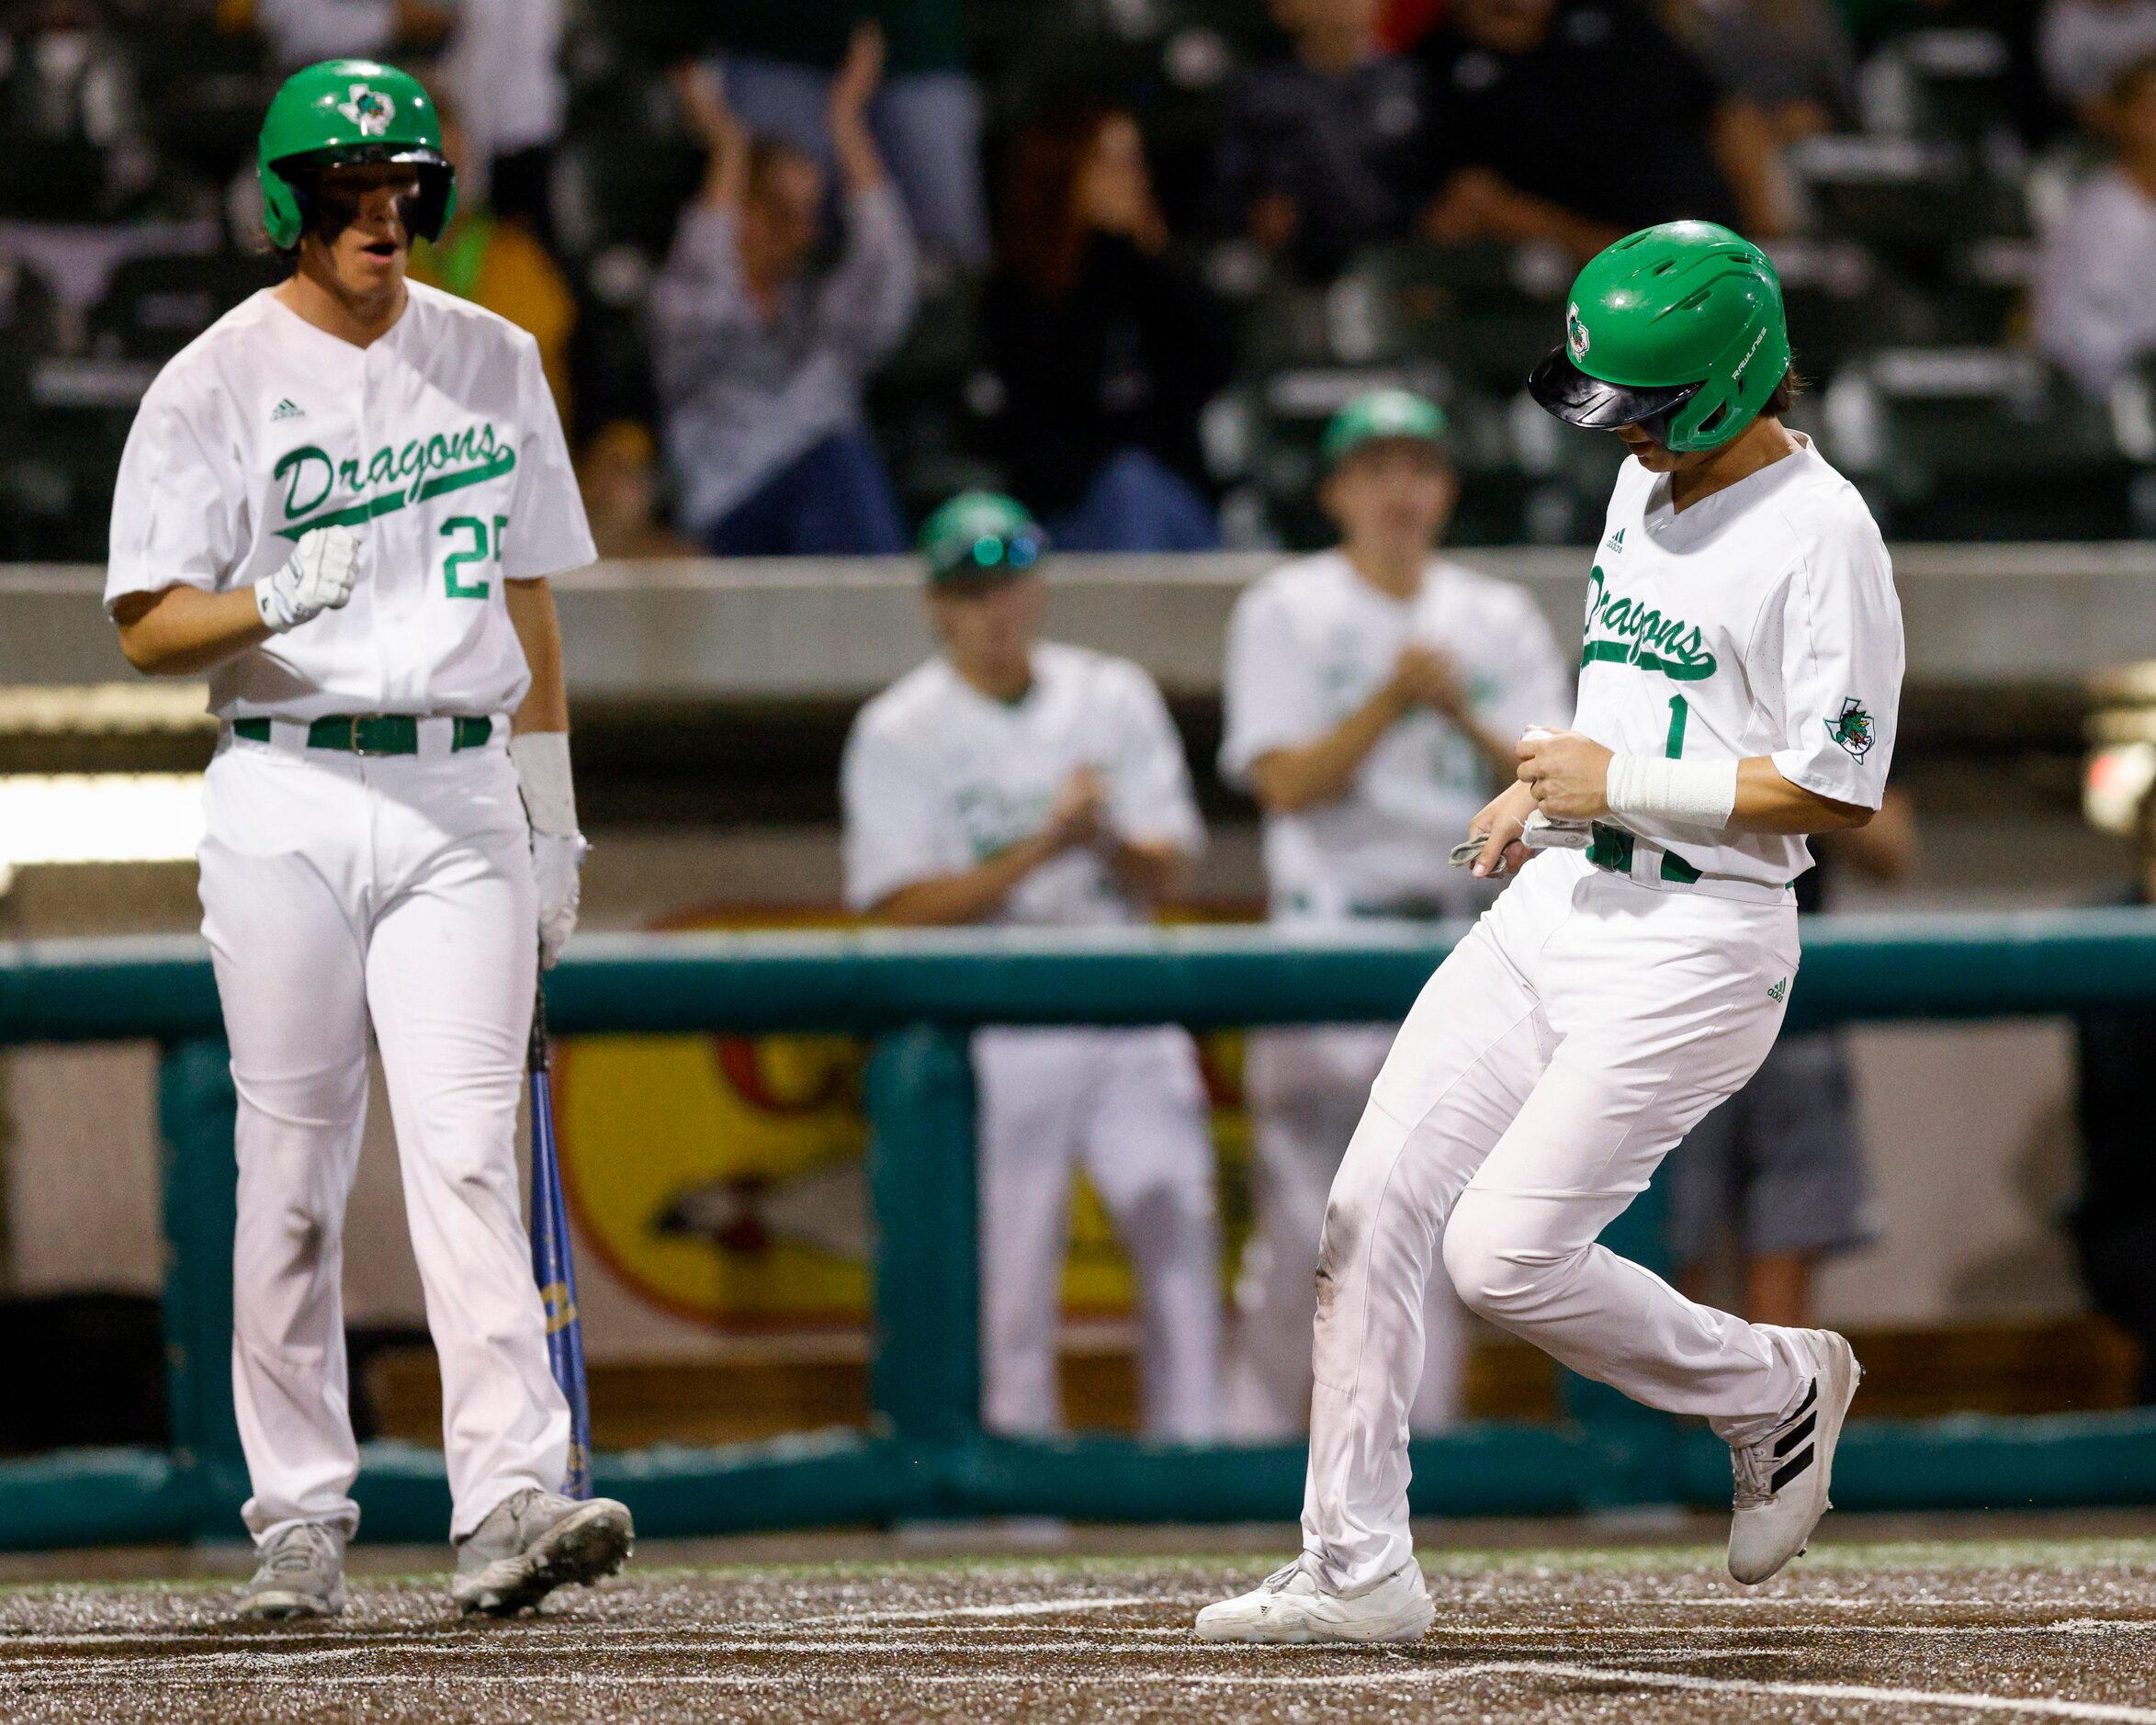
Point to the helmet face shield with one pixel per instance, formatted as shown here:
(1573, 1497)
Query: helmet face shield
(326, 211)
(1563, 388)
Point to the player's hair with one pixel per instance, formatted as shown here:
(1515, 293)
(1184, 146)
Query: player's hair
(1786, 392)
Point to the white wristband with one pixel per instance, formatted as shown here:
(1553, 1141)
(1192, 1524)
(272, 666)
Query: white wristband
(269, 606)
(550, 793)
(1683, 793)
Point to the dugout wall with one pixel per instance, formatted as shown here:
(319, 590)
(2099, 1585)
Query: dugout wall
(924, 1454)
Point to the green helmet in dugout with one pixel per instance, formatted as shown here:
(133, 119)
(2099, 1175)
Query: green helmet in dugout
(1382, 415)
(1677, 329)
(343, 112)
(980, 537)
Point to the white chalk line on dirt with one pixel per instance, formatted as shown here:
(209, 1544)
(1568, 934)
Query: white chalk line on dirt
(1015, 1608)
(586, 1641)
(960, 1639)
(1389, 1676)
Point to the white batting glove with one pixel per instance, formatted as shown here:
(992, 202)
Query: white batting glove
(316, 577)
(558, 848)
(557, 860)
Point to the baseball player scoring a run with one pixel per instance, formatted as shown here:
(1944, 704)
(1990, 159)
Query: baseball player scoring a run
(1742, 666)
(342, 502)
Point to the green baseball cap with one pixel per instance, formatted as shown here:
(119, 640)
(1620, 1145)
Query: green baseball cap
(341, 112)
(980, 537)
(1677, 327)
(1382, 413)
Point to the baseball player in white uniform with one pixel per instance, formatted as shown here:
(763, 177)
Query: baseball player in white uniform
(342, 502)
(1021, 783)
(1739, 675)
(1373, 694)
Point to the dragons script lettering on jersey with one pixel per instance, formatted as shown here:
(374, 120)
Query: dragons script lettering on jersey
(423, 468)
(1625, 632)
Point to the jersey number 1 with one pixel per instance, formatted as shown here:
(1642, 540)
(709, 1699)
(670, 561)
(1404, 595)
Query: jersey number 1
(482, 547)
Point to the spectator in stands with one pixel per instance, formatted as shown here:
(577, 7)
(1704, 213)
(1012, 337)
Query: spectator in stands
(1787, 65)
(618, 475)
(1319, 150)
(2112, 1224)
(2086, 45)
(1373, 694)
(2095, 298)
(760, 369)
(1779, 1166)
(495, 260)
(303, 31)
(1577, 121)
(780, 55)
(503, 62)
(1105, 351)
(72, 127)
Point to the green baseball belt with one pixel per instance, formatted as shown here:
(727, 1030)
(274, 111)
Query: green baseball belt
(372, 733)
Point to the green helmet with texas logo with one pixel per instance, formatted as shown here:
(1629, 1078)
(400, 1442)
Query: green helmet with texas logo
(1677, 329)
(342, 112)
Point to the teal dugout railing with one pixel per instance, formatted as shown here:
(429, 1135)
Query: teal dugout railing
(924, 1454)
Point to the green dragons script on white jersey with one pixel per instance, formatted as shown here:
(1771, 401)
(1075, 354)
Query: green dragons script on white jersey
(1760, 621)
(438, 445)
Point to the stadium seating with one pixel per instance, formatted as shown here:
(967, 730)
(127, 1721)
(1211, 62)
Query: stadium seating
(1915, 240)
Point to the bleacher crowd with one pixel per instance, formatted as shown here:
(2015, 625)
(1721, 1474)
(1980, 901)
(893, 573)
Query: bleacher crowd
(801, 271)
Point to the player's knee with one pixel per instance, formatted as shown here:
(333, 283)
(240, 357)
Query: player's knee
(1497, 1270)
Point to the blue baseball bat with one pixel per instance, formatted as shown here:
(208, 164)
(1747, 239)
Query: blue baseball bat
(552, 1266)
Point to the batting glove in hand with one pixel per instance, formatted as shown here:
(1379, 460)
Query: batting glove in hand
(558, 849)
(317, 578)
(557, 859)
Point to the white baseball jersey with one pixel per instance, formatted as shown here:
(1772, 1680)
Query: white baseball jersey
(1761, 620)
(938, 777)
(438, 445)
(1311, 643)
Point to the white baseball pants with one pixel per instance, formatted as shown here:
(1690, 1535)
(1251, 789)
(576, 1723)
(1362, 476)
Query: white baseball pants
(1131, 1105)
(1307, 1090)
(338, 890)
(1581, 1029)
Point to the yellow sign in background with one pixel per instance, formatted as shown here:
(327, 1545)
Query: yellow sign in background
(724, 1178)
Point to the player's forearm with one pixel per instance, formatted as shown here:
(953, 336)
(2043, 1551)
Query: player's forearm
(1767, 802)
(1287, 780)
(538, 632)
(1156, 871)
(182, 630)
(951, 900)
(1496, 750)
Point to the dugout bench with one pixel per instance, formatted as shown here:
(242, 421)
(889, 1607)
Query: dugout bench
(924, 1454)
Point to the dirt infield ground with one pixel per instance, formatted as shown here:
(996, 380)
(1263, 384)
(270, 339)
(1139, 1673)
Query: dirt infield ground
(1863, 1631)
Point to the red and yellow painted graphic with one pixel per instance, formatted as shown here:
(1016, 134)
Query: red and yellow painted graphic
(724, 1178)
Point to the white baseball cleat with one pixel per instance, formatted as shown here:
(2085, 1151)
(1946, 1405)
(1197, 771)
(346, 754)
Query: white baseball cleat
(1290, 1607)
(532, 1543)
(301, 1575)
(1782, 1479)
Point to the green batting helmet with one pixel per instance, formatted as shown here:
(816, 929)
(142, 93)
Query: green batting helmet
(1382, 413)
(345, 111)
(1677, 329)
(979, 536)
